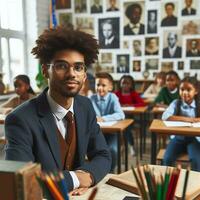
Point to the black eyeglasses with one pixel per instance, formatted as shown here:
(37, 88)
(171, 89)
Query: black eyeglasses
(63, 67)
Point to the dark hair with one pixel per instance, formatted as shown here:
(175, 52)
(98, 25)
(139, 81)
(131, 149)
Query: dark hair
(169, 4)
(192, 80)
(161, 75)
(26, 80)
(62, 38)
(130, 8)
(105, 75)
(172, 73)
(130, 78)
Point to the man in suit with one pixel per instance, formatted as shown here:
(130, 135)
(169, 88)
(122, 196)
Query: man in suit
(170, 19)
(188, 10)
(96, 7)
(172, 51)
(134, 27)
(122, 66)
(58, 128)
(194, 51)
(109, 39)
(113, 6)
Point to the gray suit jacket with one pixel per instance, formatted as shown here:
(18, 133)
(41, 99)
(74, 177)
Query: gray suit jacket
(31, 134)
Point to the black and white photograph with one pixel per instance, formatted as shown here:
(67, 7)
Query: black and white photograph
(190, 27)
(137, 48)
(106, 57)
(151, 64)
(172, 49)
(195, 64)
(65, 19)
(109, 33)
(63, 4)
(180, 65)
(123, 63)
(167, 66)
(152, 21)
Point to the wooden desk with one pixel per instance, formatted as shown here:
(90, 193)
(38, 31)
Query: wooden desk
(119, 128)
(105, 192)
(158, 111)
(158, 127)
(141, 112)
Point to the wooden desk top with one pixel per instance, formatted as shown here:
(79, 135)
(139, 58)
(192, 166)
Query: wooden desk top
(157, 126)
(105, 192)
(118, 127)
(135, 110)
(158, 110)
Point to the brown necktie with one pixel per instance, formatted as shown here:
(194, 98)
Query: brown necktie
(70, 139)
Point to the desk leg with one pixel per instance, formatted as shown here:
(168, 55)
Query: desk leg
(141, 136)
(119, 153)
(144, 132)
(153, 147)
(126, 153)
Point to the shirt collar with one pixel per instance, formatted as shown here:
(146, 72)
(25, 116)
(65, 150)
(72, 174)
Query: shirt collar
(101, 98)
(173, 91)
(192, 105)
(134, 25)
(58, 111)
(109, 41)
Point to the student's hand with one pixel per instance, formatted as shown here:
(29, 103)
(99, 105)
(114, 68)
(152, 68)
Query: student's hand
(78, 191)
(100, 119)
(84, 178)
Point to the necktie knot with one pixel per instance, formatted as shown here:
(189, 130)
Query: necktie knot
(69, 117)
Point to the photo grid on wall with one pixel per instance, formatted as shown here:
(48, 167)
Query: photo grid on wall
(138, 36)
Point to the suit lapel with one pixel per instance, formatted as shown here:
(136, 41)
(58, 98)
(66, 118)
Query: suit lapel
(80, 118)
(49, 126)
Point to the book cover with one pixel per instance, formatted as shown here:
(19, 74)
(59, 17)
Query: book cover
(18, 182)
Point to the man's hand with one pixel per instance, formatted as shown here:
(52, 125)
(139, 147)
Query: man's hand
(78, 191)
(100, 119)
(84, 178)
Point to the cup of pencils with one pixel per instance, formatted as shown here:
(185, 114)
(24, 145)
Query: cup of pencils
(160, 186)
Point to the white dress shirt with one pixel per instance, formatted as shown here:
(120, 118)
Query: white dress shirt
(59, 113)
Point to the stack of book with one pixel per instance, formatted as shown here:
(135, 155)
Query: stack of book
(159, 182)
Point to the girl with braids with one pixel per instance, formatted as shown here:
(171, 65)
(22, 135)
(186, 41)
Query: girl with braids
(186, 109)
(23, 90)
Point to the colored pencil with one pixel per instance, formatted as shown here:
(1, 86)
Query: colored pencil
(185, 183)
(93, 194)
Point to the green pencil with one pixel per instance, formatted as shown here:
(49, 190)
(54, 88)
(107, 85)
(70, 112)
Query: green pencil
(185, 183)
(166, 183)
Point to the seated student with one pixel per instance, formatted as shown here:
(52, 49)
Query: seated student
(107, 108)
(129, 97)
(152, 91)
(170, 92)
(186, 109)
(24, 92)
(127, 94)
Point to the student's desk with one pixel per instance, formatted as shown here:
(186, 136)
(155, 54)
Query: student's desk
(158, 127)
(141, 112)
(157, 111)
(119, 128)
(105, 192)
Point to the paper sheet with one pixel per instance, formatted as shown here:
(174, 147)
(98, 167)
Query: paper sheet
(107, 123)
(177, 124)
(128, 108)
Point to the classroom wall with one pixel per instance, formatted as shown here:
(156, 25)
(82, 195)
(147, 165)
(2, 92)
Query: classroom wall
(68, 13)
